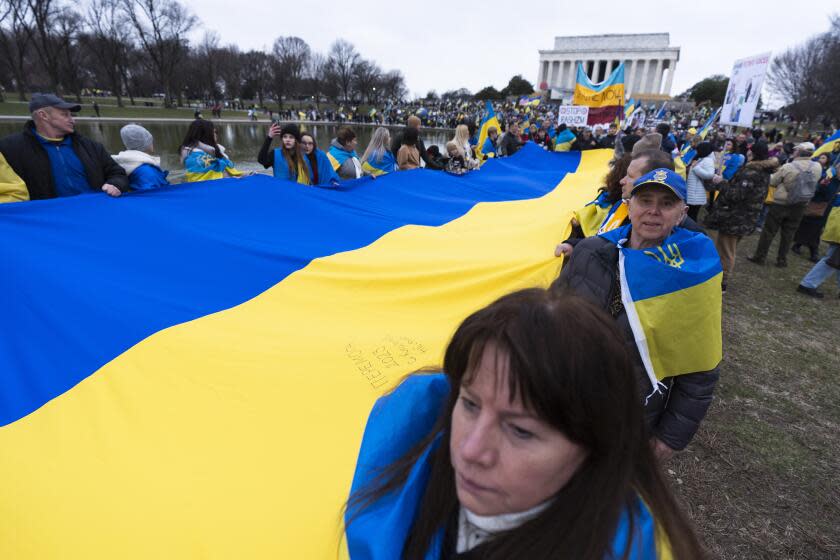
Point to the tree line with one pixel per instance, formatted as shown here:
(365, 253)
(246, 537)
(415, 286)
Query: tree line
(807, 77)
(140, 48)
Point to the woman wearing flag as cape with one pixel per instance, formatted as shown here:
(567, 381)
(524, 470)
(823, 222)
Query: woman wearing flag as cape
(531, 446)
(662, 285)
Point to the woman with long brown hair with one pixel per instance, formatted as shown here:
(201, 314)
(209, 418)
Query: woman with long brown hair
(287, 161)
(531, 445)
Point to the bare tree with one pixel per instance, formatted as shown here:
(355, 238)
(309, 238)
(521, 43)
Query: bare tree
(291, 56)
(807, 76)
(231, 70)
(105, 42)
(316, 78)
(15, 39)
(393, 86)
(45, 14)
(161, 27)
(366, 77)
(258, 69)
(73, 68)
(341, 63)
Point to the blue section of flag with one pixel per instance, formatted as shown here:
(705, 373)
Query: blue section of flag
(119, 270)
(616, 77)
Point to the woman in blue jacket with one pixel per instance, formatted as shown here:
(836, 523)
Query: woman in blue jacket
(138, 159)
(287, 161)
(531, 445)
(321, 173)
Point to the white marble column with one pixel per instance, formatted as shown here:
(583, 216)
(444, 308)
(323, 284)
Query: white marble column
(630, 79)
(643, 81)
(610, 68)
(656, 82)
(672, 65)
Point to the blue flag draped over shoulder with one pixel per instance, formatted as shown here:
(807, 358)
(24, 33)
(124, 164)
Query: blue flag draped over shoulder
(397, 423)
(672, 295)
(382, 166)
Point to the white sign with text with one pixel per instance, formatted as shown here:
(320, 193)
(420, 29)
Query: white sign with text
(744, 88)
(572, 115)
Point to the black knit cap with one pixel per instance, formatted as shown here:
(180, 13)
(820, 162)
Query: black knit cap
(292, 129)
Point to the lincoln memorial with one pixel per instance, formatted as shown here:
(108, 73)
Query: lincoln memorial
(649, 63)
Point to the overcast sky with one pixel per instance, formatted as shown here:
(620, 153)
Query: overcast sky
(452, 44)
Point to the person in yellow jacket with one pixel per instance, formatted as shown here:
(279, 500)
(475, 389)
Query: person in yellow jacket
(12, 187)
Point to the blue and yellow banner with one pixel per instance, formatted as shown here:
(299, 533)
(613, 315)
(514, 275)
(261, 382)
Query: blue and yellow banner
(688, 152)
(828, 145)
(489, 120)
(629, 109)
(384, 165)
(605, 99)
(672, 295)
(831, 233)
(187, 372)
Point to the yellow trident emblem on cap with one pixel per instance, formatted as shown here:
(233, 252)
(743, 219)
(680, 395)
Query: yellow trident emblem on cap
(660, 176)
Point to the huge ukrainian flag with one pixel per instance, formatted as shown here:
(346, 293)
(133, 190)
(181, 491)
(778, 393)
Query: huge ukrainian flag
(186, 373)
(605, 99)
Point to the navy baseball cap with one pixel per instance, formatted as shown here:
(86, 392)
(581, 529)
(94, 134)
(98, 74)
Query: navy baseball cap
(41, 100)
(664, 177)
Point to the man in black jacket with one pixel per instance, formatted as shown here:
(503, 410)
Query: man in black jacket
(55, 161)
(673, 414)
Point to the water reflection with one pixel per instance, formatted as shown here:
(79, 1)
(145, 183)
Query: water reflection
(241, 140)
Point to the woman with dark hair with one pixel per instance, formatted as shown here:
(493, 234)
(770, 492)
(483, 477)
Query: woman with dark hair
(321, 172)
(589, 219)
(342, 154)
(738, 205)
(408, 156)
(287, 161)
(203, 157)
(531, 445)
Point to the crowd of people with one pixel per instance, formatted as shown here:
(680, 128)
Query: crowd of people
(751, 181)
(550, 419)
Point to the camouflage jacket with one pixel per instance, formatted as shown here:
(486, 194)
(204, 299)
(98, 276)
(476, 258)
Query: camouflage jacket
(740, 199)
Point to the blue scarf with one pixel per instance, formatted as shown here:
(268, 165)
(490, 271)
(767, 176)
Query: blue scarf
(397, 422)
(672, 296)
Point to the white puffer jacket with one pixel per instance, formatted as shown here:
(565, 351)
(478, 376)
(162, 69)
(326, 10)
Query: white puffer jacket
(701, 171)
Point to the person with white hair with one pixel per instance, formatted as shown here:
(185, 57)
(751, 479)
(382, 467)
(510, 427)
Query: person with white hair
(141, 166)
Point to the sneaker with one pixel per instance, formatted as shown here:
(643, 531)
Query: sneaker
(756, 260)
(781, 264)
(813, 292)
(723, 288)
(797, 249)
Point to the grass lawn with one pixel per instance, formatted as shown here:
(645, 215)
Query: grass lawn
(12, 108)
(762, 477)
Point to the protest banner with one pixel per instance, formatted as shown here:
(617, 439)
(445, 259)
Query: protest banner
(572, 115)
(744, 89)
